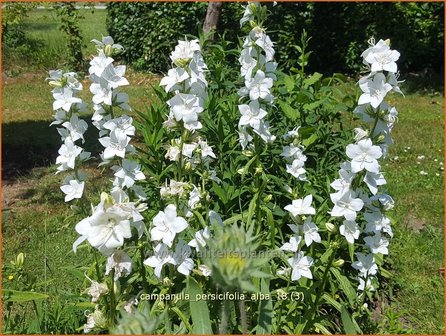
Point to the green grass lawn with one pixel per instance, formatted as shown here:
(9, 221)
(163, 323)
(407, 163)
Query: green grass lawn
(37, 222)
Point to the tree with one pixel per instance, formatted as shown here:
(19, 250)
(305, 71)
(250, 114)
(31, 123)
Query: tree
(211, 20)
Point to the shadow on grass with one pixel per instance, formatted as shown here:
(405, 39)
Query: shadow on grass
(30, 144)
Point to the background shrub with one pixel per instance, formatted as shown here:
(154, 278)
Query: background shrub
(339, 30)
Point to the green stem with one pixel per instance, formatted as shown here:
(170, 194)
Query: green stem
(143, 269)
(112, 299)
(243, 318)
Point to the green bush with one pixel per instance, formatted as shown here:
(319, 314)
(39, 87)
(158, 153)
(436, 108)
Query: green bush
(339, 30)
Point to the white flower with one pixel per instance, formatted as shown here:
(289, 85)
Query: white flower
(365, 264)
(186, 107)
(64, 100)
(73, 189)
(200, 238)
(360, 134)
(107, 41)
(96, 290)
(259, 86)
(114, 76)
(214, 218)
(386, 200)
(374, 90)
(364, 155)
(265, 43)
(362, 285)
(120, 262)
(248, 15)
(173, 153)
(301, 206)
(376, 221)
(264, 132)
(115, 145)
(206, 150)
(194, 198)
(106, 228)
(310, 231)
(247, 63)
(182, 258)
(99, 63)
(350, 230)
(244, 137)
(373, 181)
(300, 266)
(252, 114)
(174, 77)
(184, 51)
(122, 123)
(292, 245)
(381, 57)
(128, 173)
(343, 184)
(161, 256)
(294, 133)
(75, 128)
(296, 168)
(167, 225)
(68, 153)
(102, 92)
(293, 152)
(346, 204)
(205, 270)
(377, 243)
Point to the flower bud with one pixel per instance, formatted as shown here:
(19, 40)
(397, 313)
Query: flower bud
(380, 138)
(288, 189)
(268, 198)
(188, 166)
(247, 153)
(167, 282)
(330, 227)
(338, 263)
(241, 171)
(108, 50)
(259, 170)
(20, 259)
(387, 42)
(55, 84)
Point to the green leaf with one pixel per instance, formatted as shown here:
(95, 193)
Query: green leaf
(307, 142)
(265, 310)
(349, 327)
(19, 296)
(290, 112)
(198, 309)
(345, 286)
(331, 301)
(322, 329)
(312, 79)
(289, 83)
(351, 251)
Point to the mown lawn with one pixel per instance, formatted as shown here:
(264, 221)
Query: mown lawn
(37, 222)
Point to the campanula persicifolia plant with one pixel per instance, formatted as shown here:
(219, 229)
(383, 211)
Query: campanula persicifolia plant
(222, 215)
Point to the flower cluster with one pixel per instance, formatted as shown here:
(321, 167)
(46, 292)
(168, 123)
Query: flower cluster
(67, 107)
(115, 132)
(186, 81)
(304, 228)
(293, 154)
(258, 71)
(362, 212)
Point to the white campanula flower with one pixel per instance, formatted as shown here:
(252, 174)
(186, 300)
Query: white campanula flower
(296, 168)
(301, 206)
(173, 153)
(386, 201)
(300, 266)
(346, 177)
(244, 137)
(182, 258)
(346, 204)
(264, 132)
(206, 150)
(373, 180)
(252, 114)
(259, 86)
(377, 222)
(114, 76)
(128, 173)
(381, 57)
(194, 198)
(360, 134)
(188, 149)
(184, 51)
(264, 42)
(377, 243)
(102, 92)
(96, 290)
(116, 144)
(186, 107)
(174, 76)
(293, 152)
(75, 129)
(68, 153)
(247, 62)
(292, 245)
(374, 90)
(161, 256)
(107, 41)
(123, 123)
(200, 239)
(310, 231)
(365, 264)
(365, 286)
(99, 63)
(120, 262)
(65, 99)
(350, 230)
(121, 99)
(248, 15)
(167, 224)
(174, 188)
(106, 228)
(364, 155)
(214, 218)
(73, 189)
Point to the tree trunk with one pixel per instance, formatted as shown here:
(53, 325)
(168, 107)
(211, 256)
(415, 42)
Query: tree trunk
(212, 15)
